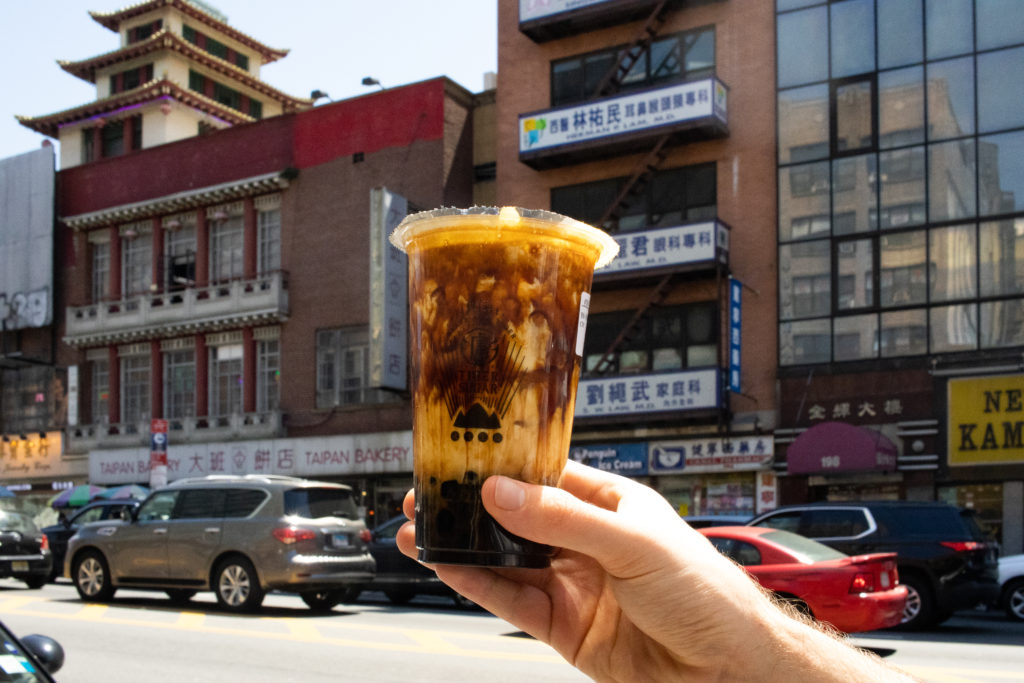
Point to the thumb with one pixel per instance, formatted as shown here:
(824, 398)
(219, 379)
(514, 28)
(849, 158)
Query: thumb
(555, 517)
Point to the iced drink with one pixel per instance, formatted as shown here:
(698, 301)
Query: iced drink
(498, 301)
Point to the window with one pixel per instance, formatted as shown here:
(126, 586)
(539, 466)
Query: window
(742, 553)
(100, 392)
(225, 95)
(268, 255)
(226, 249)
(680, 57)
(268, 375)
(136, 263)
(225, 380)
(343, 368)
(159, 507)
(214, 47)
(672, 197)
(143, 31)
(100, 271)
(666, 339)
(112, 139)
(827, 523)
(242, 502)
(135, 390)
(180, 384)
(180, 255)
(131, 78)
(200, 504)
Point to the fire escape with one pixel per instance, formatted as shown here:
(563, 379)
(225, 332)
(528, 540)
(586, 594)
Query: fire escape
(640, 176)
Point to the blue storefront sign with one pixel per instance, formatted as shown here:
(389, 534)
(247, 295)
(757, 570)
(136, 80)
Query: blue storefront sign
(629, 459)
(735, 316)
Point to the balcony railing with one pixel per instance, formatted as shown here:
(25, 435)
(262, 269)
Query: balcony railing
(623, 123)
(630, 395)
(263, 299)
(262, 425)
(690, 247)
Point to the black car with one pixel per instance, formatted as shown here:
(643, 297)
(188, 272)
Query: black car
(398, 576)
(24, 550)
(97, 511)
(943, 557)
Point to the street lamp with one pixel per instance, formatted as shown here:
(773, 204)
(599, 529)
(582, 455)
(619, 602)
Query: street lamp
(370, 80)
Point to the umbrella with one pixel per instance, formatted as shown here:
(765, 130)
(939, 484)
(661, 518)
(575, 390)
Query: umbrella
(126, 491)
(76, 497)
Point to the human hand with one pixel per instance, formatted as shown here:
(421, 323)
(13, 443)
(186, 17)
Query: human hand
(634, 593)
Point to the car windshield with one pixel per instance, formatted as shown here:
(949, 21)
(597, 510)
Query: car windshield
(804, 548)
(12, 521)
(313, 503)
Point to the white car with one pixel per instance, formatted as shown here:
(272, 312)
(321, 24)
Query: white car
(1011, 580)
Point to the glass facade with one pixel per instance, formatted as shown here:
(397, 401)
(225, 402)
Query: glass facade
(901, 160)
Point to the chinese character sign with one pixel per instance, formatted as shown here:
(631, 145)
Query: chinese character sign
(637, 394)
(673, 246)
(623, 114)
(735, 316)
(388, 293)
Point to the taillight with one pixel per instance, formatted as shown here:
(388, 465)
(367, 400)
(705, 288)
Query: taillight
(44, 543)
(962, 546)
(862, 583)
(365, 536)
(290, 534)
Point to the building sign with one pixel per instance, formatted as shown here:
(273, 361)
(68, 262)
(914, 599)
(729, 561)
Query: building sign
(681, 245)
(26, 239)
(866, 398)
(735, 310)
(389, 314)
(986, 420)
(312, 457)
(36, 457)
(157, 453)
(537, 9)
(712, 454)
(838, 447)
(629, 459)
(767, 493)
(636, 394)
(624, 114)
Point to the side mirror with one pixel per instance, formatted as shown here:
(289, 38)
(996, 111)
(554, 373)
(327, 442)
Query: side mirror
(47, 650)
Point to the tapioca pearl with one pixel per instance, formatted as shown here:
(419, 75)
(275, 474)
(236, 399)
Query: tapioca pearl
(450, 489)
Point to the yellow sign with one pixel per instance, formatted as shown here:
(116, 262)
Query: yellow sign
(986, 420)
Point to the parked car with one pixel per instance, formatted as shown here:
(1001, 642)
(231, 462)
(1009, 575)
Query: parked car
(1011, 583)
(238, 536)
(852, 593)
(704, 521)
(398, 576)
(24, 550)
(60, 533)
(943, 557)
(30, 659)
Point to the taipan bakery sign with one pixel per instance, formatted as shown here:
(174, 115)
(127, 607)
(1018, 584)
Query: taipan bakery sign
(986, 420)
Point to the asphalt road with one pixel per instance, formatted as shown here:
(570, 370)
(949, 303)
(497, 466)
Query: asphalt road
(142, 637)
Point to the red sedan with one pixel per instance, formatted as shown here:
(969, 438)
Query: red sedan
(852, 593)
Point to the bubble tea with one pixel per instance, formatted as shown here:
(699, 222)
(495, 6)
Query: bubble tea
(498, 303)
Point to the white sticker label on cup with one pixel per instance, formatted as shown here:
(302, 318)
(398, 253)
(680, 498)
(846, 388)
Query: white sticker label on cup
(582, 331)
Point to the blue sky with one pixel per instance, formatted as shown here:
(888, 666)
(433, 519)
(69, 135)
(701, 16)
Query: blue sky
(333, 43)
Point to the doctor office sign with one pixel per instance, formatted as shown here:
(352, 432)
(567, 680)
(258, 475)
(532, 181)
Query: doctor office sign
(986, 420)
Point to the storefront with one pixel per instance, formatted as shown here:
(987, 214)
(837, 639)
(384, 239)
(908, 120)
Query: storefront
(378, 466)
(32, 468)
(704, 476)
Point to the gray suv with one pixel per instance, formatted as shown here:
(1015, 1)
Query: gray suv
(237, 536)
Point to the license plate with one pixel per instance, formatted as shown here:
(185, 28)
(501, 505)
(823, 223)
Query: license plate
(19, 566)
(340, 540)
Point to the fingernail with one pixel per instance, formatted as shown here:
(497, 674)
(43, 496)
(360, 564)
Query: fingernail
(509, 494)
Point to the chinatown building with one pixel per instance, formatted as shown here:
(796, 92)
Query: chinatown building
(901, 254)
(230, 285)
(654, 120)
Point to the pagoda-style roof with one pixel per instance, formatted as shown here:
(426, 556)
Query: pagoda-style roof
(113, 21)
(166, 40)
(157, 89)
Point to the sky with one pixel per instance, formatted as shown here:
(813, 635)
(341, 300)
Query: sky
(333, 45)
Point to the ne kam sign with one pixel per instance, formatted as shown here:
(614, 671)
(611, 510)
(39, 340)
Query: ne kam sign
(986, 420)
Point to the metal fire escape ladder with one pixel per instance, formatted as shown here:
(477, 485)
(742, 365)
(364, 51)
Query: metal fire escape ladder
(637, 181)
(631, 55)
(656, 297)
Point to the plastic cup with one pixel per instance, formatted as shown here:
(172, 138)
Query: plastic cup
(498, 302)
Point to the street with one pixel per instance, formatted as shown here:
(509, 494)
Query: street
(142, 636)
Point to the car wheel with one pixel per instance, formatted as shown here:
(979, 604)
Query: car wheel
(321, 601)
(919, 611)
(37, 582)
(1013, 599)
(180, 594)
(237, 586)
(92, 577)
(400, 597)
